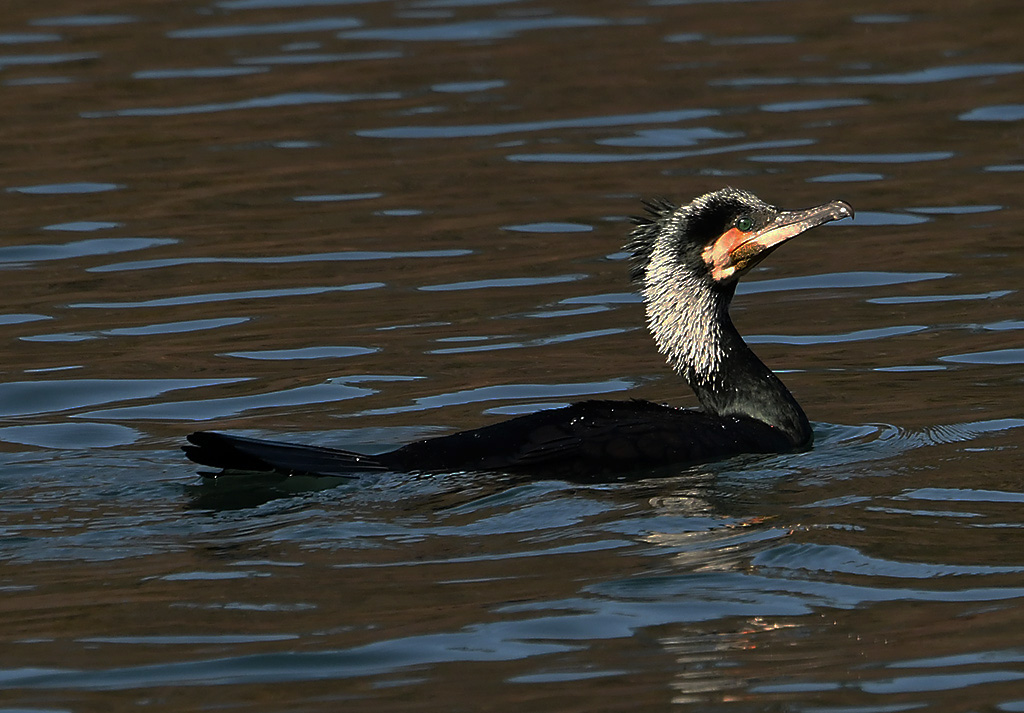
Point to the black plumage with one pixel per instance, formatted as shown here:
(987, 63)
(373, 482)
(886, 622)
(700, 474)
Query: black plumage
(686, 262)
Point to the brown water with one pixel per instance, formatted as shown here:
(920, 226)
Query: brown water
(358, 223)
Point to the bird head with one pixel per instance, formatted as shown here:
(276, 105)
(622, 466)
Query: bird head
(721, 235)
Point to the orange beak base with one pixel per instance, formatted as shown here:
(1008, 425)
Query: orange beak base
(735, 252)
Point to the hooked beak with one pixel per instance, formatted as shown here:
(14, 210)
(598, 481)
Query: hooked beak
(735, 252)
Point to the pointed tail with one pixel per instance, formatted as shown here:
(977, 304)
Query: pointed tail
(238, 453)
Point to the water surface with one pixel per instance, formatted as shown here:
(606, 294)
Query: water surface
(362, 223)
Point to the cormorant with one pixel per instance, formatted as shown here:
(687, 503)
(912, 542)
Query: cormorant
(686, 262)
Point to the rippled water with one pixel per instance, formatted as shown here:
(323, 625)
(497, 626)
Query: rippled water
(360, 223)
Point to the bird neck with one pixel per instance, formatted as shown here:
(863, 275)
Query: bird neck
(691, 326)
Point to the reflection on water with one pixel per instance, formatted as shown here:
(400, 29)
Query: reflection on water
(359, 223)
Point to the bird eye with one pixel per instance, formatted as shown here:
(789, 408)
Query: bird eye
(744, 223)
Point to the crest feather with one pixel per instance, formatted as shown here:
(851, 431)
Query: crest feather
(641, 240)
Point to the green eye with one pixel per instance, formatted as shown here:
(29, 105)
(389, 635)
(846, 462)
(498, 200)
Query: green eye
(744, 224)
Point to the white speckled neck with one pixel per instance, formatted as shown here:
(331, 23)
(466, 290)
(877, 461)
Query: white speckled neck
(684, 316)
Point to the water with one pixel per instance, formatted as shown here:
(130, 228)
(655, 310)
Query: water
(361, 223)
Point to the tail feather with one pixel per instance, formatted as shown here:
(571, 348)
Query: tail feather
(238, 453)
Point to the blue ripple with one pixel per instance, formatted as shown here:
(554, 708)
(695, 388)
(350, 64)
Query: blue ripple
(65, 188)
(857, 158)
(1002, 112)
(934, 74)
(846, 178)
(84, 20)
(276, 100)
(839, 280)
(191, 325)
(22, 318)
(472, 29)
(343, 256)
(670, 137)
(69, 436)
(958, 495)
(539, 342)
(17, 38)
(929, 75)
(860, 335)
(331, 197)
(502, 282)
(878, 217)
(655, 155)
(550, 227)
(828, 559)
(318, 58)
(31, 59)
(24, 398)
(226, 296)
(78, 248)
(303, 353)
(318, 25)
(506, 391)
(479, 130)
(482, 643)
(813, 105)
(83, 226)
(196, 72)
(208, 409)
(996, 356)
(922, 299)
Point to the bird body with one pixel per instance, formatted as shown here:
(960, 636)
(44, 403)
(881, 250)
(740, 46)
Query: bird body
(589, 440)
(686, 262)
